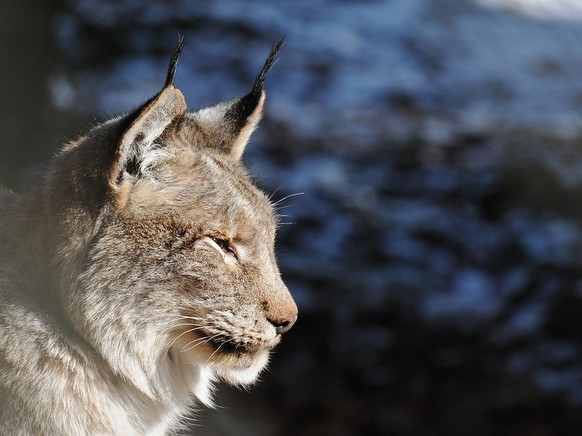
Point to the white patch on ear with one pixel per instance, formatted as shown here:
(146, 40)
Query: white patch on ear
(241, 141)
(149, 155)
(152, 159)
(212, 117)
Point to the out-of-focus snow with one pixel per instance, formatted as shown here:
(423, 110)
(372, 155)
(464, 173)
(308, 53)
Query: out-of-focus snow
(542, 9)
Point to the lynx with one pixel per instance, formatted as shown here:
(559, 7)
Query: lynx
(139, 270)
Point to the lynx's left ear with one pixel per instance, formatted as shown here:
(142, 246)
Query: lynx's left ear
(228, 126)
(139, 146)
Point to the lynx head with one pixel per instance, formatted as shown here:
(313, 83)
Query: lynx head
(165, 247)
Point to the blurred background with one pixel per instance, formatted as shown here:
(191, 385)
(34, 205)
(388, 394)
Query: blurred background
(435, 252)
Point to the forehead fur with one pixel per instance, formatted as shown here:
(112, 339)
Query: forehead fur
(192, 176)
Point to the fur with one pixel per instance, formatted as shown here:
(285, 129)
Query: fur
(137, 271)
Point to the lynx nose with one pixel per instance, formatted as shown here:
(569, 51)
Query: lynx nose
(279, 308)
(283, 326)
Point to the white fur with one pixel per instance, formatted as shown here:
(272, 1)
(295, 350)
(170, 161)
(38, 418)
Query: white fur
(116, 322)
(66, 383)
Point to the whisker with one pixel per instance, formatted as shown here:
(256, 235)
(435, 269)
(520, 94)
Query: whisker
(179, 336)
(195, 318)
(278, 208)
(185, 325)
(193, 328)
(219, 347)
(274, 192)
(287, 197)
(193, 344)
(200, 341)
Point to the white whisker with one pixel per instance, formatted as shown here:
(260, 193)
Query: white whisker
(278, 208)
(219, 347)
(179, 336)
(276, 203)
(274, 192)
(200, 341)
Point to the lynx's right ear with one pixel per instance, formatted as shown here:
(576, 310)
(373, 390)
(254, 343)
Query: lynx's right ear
(138, 147)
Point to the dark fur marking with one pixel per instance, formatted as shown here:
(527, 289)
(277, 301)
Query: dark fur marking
(174, 62)
(260, 80)
(243, 109)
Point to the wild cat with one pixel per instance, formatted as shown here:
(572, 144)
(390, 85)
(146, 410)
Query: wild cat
(137, 271)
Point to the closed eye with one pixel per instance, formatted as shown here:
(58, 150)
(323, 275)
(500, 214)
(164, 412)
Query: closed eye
(226, 247)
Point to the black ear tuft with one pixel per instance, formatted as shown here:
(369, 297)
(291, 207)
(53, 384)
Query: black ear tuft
(174, 62)
(231, 124)
(242, 109)
(260, 80)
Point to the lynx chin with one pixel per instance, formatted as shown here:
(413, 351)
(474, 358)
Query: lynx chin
(137, 271)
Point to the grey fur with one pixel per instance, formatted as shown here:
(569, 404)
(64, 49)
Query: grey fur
(138, 270)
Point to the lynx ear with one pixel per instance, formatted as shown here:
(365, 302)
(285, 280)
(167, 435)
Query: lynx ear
(229, 125)
(137, 147)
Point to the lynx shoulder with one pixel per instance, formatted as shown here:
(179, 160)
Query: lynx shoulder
(137, 271)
